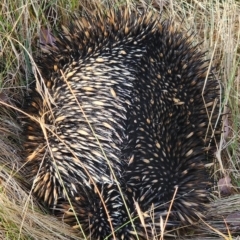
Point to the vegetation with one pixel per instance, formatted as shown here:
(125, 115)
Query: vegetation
(216, 24)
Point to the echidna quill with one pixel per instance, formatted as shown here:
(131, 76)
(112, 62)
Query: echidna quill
(122, 125)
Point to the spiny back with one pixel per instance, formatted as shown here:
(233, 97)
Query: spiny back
(125, 109)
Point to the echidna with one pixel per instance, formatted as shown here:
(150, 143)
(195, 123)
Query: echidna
(121, 124)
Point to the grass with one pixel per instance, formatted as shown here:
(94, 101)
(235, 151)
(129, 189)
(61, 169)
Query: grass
(217, 26)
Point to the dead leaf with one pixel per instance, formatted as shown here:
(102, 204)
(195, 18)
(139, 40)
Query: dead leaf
(234, 219)
(3, 97)
(224, 185)
(46, 37)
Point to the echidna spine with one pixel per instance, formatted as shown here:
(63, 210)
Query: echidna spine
(139, 83)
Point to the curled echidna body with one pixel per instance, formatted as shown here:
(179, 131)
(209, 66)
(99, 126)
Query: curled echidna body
(121, 125)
